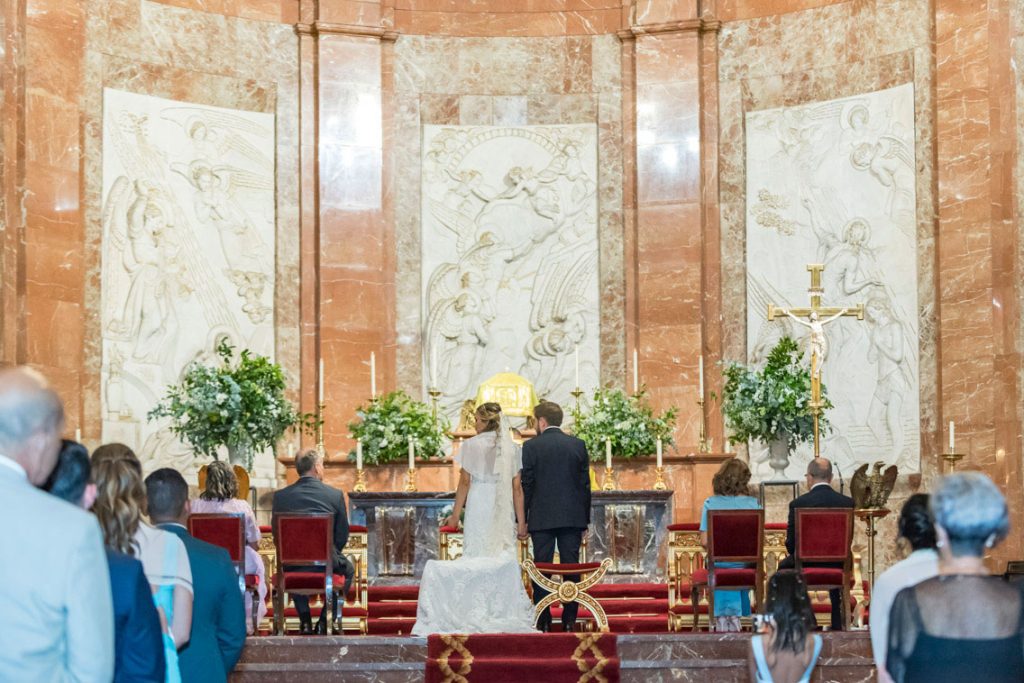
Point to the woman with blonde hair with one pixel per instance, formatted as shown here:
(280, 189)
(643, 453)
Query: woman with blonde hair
(731, 486)
(220, 497)
(120, 501)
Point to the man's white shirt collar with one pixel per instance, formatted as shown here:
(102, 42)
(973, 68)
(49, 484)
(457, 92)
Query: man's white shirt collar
(8, 462)
(821, 483)
(550, 428)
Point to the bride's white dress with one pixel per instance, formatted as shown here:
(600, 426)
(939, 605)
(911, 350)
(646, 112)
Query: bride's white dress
(481, 592)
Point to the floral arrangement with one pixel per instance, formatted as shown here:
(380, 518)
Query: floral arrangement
(629, 421)
(387, 424)
(240, 405)
(763, 404)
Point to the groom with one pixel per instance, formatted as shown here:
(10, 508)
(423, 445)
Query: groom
(556, 484)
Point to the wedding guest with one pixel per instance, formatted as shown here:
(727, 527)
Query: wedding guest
(56, 614)
(820, 494)
(311, 495)
(218, 617)
(964, 624)
(731, 487)
(139, 645)
(221, 497)
(917, 529)
(120, 503)
(786, 649)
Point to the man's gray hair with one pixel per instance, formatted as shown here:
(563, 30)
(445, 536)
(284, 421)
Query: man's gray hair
(26, 409)
(972, 510)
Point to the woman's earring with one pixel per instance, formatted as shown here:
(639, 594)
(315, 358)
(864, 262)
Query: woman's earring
(990, 541)
(940, 544)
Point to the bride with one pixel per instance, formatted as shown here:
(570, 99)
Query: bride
(482, 592)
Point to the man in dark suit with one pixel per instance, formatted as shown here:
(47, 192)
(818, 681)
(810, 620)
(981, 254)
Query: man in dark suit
(138, 641)
(218, 613)
(820, 494)
(311, 495)
(556, 488)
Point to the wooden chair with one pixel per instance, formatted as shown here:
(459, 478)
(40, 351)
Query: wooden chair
(735, 536)
(569, 591)
(304, 540)
(824, 535)
(227, 530)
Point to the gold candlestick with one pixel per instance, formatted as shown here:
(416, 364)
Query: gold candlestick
(576, 393)
(360, 486)
(659, 479)
(702, 444)
(434, 394)
(952, 459)
(321, 451)
(609, 483)
(410, 481)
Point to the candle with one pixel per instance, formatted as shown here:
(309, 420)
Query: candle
(608, 453)
(412, 454)
(78, 435)
(373, 374)
(952, 441)
(636, 371)
(576, 361)
(291, 451)
(433, 367)
(700, 367)
(359, 454)
(658, 451)
(320, 383)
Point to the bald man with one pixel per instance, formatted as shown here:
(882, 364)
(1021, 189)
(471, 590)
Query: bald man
(820, 494)
(57, 619)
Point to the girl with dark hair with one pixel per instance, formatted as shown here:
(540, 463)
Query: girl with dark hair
(786, 649)
(917, 529)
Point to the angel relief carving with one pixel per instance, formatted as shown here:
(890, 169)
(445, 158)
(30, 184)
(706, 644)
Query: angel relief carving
(510, 255)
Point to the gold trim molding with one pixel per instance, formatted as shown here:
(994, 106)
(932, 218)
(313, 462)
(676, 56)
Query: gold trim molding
(318, 28)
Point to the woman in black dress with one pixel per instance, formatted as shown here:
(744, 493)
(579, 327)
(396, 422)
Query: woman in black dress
(964, 624)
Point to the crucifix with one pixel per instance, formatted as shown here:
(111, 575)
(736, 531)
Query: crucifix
(817, 317)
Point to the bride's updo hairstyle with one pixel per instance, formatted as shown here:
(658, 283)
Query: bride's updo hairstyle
(490, 413)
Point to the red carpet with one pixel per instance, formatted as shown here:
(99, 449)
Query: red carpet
(507, 658)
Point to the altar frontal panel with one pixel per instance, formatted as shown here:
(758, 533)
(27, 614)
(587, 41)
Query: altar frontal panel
(833, 182)
(510, 258)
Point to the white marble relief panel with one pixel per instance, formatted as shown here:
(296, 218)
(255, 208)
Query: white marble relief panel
(187, 256)
(833, 182)
(510, 257)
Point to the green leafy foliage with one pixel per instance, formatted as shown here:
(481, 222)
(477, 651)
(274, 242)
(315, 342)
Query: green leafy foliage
(240, 405)
(762, 403)
(629, 421)
(389, 421)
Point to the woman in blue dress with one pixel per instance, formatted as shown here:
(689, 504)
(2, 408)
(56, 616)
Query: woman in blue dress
(732, 492)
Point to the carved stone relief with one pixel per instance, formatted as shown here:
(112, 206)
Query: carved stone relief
(510, 257)
(833, 182)
(188, 255)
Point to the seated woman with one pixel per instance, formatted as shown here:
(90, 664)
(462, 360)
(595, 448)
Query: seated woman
(730, 486)
(220, 497)
(120, 500)
(962, 625)
(786, 649)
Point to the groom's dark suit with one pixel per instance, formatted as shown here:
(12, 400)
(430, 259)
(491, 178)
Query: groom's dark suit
(556, 487)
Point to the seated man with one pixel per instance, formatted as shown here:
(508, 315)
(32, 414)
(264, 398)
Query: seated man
(311, 495)
(820, 494)
(218, 614)
(138, 643)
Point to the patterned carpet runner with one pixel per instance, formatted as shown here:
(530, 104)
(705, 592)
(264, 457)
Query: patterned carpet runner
(508, 658)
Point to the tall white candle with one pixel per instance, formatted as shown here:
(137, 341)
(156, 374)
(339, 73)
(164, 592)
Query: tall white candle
(433, 367)
(320, 383)
(359, 454)
(291, 451)
(373, 374)
(576, 361)
(700, 367)
(636, 371)
(78, 435)
(608, 453)
(412, 454)
(952, 440)
(658, 451)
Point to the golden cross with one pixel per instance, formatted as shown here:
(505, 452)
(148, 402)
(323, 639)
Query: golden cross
(819, 345)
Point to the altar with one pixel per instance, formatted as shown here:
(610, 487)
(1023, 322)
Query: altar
(404, 532)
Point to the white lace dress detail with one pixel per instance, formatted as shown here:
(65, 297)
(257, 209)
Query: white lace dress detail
(481, 592)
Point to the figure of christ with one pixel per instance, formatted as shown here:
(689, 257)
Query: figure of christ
(817, 341)
(886, 350)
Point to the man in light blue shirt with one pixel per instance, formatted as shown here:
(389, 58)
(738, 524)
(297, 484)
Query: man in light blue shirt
(57, 619)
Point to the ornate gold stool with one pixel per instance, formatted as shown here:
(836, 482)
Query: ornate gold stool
(569, 591)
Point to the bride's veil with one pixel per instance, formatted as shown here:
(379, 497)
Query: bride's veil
(507, 463)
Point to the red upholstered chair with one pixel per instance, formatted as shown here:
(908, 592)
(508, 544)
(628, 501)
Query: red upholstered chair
(733, 536)
(824, 535)
(228, 531)
(304, 540)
